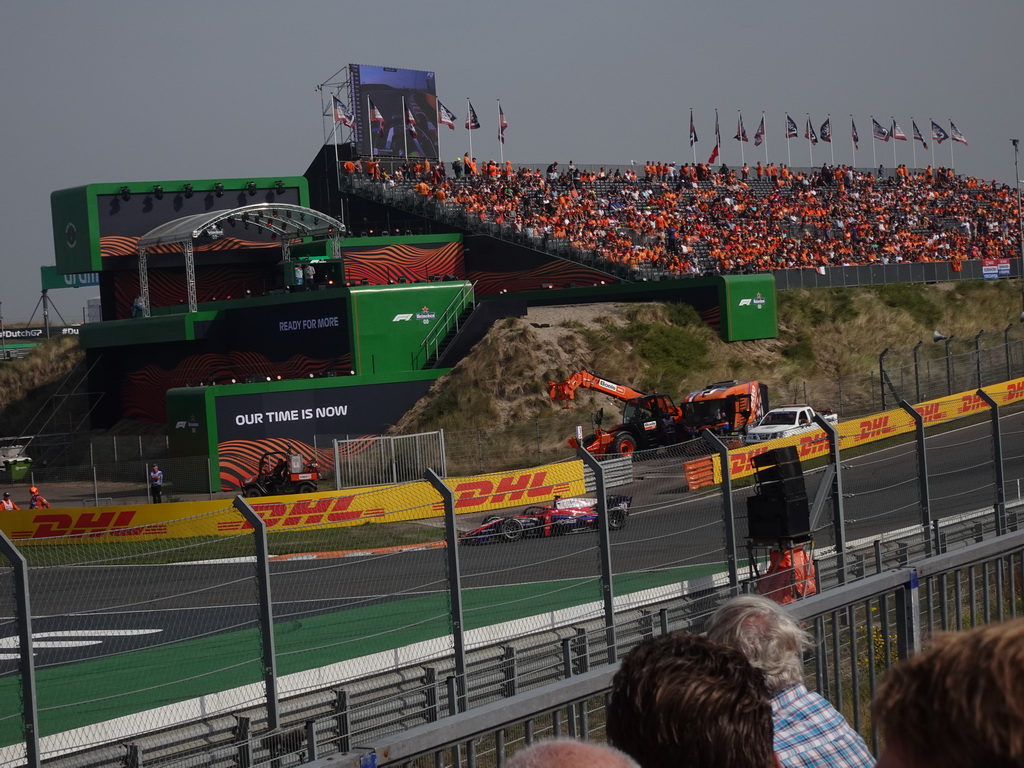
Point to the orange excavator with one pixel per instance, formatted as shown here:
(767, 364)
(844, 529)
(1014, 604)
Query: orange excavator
(654, 420)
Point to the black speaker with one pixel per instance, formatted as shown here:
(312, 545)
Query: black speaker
(770, 518)
(779, 473)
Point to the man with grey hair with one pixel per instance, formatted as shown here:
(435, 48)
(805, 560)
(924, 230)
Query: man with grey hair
(808, 730)
(570, 753)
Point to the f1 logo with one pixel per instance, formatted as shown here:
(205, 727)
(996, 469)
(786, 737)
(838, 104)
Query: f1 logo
(400, 318)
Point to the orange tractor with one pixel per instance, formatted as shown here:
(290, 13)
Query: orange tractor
(654, 420)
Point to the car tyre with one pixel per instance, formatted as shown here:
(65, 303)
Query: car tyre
(625, 444)
(306, 488)
(512, 529)
(617, 518)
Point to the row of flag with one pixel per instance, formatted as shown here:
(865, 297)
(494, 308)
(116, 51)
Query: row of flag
(878, 131)
(444, 117)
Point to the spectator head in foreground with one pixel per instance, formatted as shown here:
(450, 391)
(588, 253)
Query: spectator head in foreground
(808, 729)
(959, 704)
(569, 753)
(683, 700)
(764, 632)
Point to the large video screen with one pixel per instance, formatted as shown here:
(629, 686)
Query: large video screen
(395, 111)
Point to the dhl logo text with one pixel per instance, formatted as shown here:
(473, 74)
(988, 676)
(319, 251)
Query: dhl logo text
(970, 404)
(874, 428)
(87, 524)
(305, 512)
(1014, 391)
(524, 487)
(812, 445)
(931, 412)
(741, 464)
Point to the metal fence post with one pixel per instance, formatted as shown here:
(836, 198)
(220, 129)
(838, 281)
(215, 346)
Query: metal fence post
(728, 513)
(997, 456)
(454, 585)
(266, 607)
(23, 622)
(922, 474)
(337, 466)
(96, 486)
(607, 591)
(838, 512)
(908, 617)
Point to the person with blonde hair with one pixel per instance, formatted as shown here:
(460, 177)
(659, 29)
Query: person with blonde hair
(957, 705)
(807, 729)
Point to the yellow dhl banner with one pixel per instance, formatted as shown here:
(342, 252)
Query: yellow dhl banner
(875, 427)
(409, 501)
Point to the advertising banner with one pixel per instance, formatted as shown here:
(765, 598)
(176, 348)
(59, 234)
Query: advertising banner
(380, 504)
(993, 269)
(879, 426)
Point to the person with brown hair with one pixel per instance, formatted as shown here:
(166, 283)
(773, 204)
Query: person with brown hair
(958, 705)
(569, 753)
(683, 700)
(807, 729)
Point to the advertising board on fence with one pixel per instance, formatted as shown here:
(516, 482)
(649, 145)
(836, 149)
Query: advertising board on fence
(875, 427)
(379, 504)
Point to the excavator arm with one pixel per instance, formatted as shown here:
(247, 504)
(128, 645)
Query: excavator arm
(564, 391)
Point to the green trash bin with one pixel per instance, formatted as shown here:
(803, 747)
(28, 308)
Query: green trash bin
(17, 469)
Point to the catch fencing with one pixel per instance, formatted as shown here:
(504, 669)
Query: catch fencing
(319, 640)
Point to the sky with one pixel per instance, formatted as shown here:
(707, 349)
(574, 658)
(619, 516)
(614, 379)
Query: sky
(131, 90)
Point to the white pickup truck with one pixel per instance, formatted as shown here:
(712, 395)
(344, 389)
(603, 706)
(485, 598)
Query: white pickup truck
(785, 421)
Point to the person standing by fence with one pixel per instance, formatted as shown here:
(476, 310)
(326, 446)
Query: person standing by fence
(156, 484)
(8, 502)
(37, 500)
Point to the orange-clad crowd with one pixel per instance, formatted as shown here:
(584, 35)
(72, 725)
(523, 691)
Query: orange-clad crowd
(694, 218)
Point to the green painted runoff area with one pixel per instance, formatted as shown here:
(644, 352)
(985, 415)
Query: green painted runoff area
(75, 695)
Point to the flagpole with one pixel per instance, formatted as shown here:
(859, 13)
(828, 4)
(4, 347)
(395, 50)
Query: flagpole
(789, 148)
(810, 143)
(952, 165)
(930, 122)
(913, 143)
(437, 122)
(693, 146)
(334, 139)
(405, 133)
(743, 158)
(764, 138)
(469, 122)
(853, 144)
(831, 144)
(369, 125)
(501, 144)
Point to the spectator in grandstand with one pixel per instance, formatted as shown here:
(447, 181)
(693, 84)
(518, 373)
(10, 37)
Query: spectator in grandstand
(36, 499)
(569, 753)
(8, 503)
(683, 700)
(808, 730)
(958, 704)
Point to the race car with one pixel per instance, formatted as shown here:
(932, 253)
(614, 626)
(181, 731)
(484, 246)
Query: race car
(559, 517)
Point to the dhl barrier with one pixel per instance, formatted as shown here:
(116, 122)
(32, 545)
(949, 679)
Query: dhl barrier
(392, 503)
(873, 428)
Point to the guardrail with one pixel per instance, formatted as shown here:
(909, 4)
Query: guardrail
(600, 599)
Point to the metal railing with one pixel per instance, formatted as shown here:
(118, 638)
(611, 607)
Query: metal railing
(452, 630)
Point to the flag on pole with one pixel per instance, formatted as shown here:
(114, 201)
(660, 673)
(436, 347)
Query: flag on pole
(410, 121)
(939, 134)
(693, 130)
(759, 133)
(445, 116)
(718, 141)
(917, 134)
(897, 132)
(471, 122)
(342, 115)
(809, 132)
(878, 132)
(826, 131)
(502, 125)
(854, 136)
(376, 117)
(957, 136)
(741, 132)
(791, 130)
